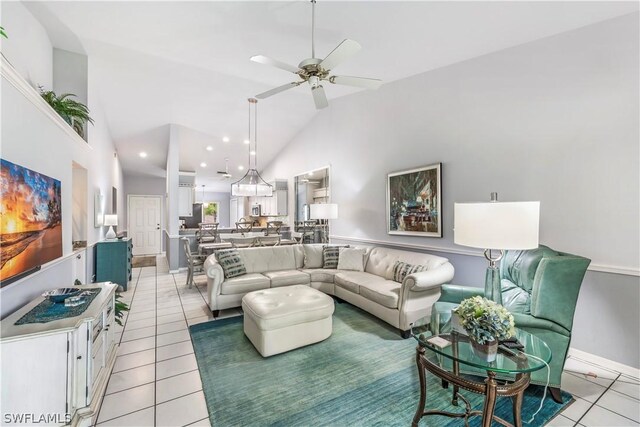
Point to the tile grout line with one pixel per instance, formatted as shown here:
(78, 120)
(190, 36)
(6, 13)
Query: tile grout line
(110, 373)
(153, 382)
(151, 363)
(596, 401)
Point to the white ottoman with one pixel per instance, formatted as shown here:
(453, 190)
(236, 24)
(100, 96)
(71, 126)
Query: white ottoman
(281, 319)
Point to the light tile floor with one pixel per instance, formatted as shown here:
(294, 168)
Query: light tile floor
(155, 380)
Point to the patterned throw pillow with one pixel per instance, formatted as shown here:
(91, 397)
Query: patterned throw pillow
(330, 255)
(231, 263)
(402, 270)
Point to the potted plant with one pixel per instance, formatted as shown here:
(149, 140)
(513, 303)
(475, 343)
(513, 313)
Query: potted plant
(73, 112)
(486, 322)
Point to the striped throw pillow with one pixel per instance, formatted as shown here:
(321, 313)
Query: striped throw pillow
(402, 270)
(330, 256)
(231, 263)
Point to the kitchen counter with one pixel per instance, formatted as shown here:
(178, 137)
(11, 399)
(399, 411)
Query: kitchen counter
(192, 231)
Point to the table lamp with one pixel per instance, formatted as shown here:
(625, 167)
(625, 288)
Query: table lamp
(323, 211)
(496, 226)
(111, 220)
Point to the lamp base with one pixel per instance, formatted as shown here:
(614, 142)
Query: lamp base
(110, 234)
(492, 289)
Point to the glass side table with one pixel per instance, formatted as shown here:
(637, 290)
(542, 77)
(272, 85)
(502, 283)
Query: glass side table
(446, 366)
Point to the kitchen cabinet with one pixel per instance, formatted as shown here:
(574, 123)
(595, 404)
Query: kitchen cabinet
(275, 205)
(185, 201)
(59, 369)
(113, 261)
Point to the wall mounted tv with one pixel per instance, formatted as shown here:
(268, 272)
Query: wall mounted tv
(30, 221)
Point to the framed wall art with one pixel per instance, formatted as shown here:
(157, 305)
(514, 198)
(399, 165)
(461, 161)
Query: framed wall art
(414, 205)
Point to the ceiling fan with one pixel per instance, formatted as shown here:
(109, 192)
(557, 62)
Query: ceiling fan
(225, 173)
(315, 71)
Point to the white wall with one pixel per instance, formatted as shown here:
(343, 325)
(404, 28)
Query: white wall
(31, 139)
(27, 47)
(554, 120)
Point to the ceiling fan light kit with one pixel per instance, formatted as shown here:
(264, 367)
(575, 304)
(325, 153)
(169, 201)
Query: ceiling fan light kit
(252, 184)
(315, 71)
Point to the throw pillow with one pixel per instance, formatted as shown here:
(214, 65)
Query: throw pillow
(330, 255)
(231, 263)
(402, 270)
(313, 256)
(351, 259)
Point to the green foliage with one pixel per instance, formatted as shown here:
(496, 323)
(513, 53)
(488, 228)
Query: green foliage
(77, 282)
(121, 307)
(211, 209)
(73, 112)
(3, 33)
(485, 320)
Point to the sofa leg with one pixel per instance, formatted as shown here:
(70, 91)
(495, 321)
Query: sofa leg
(215, 313)
(405, 334)
(555, 394)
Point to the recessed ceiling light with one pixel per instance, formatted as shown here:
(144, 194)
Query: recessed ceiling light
(253, 152)
(310, 174)
(209, 148)
(143, 154)
(246, 141)
(225, 139)
(203, 165)
(240, 167)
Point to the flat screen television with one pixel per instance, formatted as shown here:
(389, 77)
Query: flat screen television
(30, 221)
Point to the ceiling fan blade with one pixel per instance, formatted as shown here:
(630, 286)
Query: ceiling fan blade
(356, 81)
(319, 97)
(261, 59)
(344, 51)
(278, 90)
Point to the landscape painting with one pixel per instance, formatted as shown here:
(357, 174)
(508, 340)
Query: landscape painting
(30, 220)
(414, 202)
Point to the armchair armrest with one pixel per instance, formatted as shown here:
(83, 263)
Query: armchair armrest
(455, 293)
(527, 321)
(425, 280)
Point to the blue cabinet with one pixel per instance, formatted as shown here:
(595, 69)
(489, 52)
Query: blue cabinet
(113, 261)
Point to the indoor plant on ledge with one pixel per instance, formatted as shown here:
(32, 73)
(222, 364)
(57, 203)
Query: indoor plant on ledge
(486, 322)
(73, 112)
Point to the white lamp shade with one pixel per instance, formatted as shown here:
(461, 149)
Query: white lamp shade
(111, 220)
(497, 225)
(323, 211)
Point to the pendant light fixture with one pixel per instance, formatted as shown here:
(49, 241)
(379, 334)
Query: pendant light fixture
(252, 184)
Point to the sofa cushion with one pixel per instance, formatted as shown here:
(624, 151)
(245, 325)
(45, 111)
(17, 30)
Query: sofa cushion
(514, 298)
(271, 258)
(245, 283)
(385, 293)
(351, 259)
(382, 260)
(231, 263)
(330, 256)
(351, 280)
(313, 256)
(287, 278)
(321, 274)
(402, 270)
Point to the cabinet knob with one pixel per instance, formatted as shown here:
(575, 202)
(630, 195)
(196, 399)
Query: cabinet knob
(79, 257)
(79, 357)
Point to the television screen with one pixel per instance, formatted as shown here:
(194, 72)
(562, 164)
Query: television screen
(30, 220)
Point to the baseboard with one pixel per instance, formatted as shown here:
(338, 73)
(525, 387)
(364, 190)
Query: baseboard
(179, 270)
(601, 361)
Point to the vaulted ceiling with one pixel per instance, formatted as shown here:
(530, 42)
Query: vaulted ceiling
(187, 63)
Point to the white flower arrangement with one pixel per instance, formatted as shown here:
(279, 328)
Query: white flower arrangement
(484, 320)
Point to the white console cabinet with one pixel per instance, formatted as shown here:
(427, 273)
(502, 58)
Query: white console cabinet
(58, 371)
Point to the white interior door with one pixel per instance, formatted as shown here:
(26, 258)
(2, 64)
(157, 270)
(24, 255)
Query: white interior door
(144, 224)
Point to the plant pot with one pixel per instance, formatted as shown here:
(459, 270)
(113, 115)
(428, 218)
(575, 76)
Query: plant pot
(487, 352)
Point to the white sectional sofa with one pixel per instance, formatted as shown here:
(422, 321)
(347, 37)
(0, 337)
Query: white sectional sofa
(373, 289)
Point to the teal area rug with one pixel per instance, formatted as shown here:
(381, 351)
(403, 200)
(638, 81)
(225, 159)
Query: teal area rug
(363, 375)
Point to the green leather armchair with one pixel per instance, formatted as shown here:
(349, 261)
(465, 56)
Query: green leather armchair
(540, 288)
